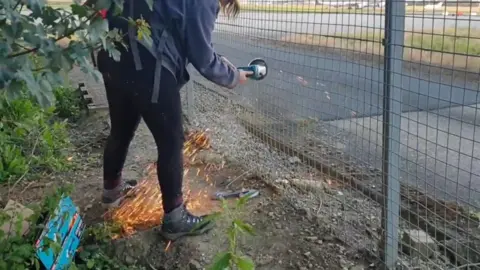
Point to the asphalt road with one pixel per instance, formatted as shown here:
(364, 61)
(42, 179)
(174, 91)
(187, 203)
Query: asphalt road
(440, 148)
(268, 24)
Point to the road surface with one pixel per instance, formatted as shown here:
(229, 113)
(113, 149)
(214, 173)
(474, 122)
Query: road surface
(273, 24)
(440, 147)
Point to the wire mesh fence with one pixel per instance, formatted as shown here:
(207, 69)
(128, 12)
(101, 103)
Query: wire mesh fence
(375, 105)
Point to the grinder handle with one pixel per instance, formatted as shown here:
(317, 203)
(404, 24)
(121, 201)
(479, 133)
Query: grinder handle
(253, 69)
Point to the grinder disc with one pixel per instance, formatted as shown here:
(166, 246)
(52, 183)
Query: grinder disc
(260, 62)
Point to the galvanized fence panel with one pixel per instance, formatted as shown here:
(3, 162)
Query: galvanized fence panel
(438, 138)
(376, 103)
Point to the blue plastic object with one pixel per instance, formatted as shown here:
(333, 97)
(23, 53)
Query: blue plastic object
(65, 227)
(258, 67)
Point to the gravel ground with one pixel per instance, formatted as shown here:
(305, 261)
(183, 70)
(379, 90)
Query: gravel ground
(348, 215)
(348, 221)
(351, 217)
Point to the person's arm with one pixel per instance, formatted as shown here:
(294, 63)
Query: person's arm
(201, 16)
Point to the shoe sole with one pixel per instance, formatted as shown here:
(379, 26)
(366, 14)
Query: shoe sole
(176, 236)
(114, 204)
(118, 201)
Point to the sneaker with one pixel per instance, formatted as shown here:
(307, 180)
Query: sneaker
(180, 222)
(118, 196)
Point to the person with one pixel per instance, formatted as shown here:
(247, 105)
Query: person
(140, 86)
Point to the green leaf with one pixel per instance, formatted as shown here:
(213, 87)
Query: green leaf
(210, 218)
(32, 85)
(221, 261)
(231, 235)
(244, 227)
(244, 263)
(97, 29)
(14, 90)
(80, 11)
(36, 5)
(49, 16)
(242, 201)
(90, 264)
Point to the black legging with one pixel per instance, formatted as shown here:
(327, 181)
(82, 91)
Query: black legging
(129, 100)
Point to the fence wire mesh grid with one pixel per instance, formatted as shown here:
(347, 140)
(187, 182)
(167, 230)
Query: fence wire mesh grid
(371, 110)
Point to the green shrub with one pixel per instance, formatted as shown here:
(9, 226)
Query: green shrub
(68, 103)
(233, 258)
(30, 140)
(17, 250)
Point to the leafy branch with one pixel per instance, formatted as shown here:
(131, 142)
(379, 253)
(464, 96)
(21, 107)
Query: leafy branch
(67, 34)
(233, 257)
(32, 51)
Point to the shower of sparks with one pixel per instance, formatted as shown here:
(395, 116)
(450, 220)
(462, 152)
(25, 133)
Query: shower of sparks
(142, 208)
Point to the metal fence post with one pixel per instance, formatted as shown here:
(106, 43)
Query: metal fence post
(393, 52)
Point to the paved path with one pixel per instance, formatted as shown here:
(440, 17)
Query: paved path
(95, 89)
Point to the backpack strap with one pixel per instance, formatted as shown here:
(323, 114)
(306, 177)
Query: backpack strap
(165, 37)
(157, 51)
(159, 65)
(133, 39)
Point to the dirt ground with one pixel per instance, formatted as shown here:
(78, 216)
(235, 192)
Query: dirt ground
(289, 235)
(302, 218)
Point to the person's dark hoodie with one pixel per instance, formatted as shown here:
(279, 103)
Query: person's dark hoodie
(193, 22)
(197, 19)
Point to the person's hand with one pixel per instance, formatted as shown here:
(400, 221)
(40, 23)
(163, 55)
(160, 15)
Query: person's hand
(243, 76)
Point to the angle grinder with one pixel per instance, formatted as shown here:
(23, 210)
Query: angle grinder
(259, 68)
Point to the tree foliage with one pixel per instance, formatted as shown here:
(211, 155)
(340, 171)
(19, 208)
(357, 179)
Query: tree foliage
(33, 54)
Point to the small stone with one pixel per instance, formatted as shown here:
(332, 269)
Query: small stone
(294, 160)
(208, 157)
(311, 238)
(328, 238)
(282, 181)
(417, 242)
(307, 254)
(310, 185)
(264, 260)
(357, 267)
(340, 145)
(278, 225)
(129, 260)
(194, 265)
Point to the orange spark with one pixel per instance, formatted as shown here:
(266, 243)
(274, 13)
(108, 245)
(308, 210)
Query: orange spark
(142, 208)
(168, 245)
